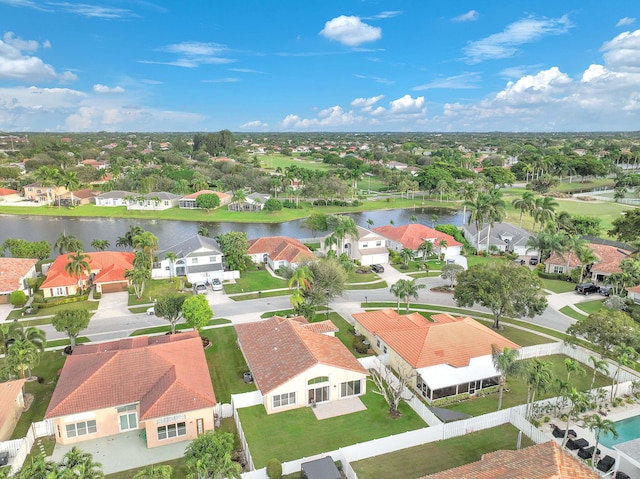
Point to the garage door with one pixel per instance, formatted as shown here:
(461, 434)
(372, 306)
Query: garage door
(370, 259)
(114, 287)
(4, 299)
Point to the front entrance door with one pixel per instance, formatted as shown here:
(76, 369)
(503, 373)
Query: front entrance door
(318, 395)
(200, 426)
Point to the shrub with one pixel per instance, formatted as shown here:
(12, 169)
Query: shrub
(18, 298)
(359, 345)
(274, 469)
(51, 302)
(272, 205)
(97, 295)
(451, 399)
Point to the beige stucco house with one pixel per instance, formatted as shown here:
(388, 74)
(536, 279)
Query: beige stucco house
(297, 364)
(11, 406)
(159, 385)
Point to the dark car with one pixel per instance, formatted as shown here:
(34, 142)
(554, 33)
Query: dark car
(533, 260)
(377, 268)
(605, 290)
(586, 288)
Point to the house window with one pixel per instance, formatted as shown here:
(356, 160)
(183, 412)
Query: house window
(558, 269)
(166, 203)
(82, 428)
(365, 245)
(127, 417)
(213, 259)
(286, 399)
(378, 243)
(384, 350)
(194, 260)
(350, 388)
(318, 380)
(59, 291)
(167, 268)
(378, 342)
(172, 430)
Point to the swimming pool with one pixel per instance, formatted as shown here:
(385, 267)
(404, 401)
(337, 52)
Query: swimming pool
(628, 430)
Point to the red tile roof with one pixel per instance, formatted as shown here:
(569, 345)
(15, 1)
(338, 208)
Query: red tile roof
(278, 349)
(635, 289)
(108, 266)
(608, 262)
(7, 192)
(543, 461)
(12, 272)
(411, 236)
(422, 343)
(281, 248)
(85, 193)
(220, 195)
(165, 374)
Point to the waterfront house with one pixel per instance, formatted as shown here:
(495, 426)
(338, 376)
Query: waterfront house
(297, 364)
(155, 201)
(279, 252)
(368, 248)
(189, 201)
(158, 385)
(10, 196)
(81, 197)
(115, 198)
(411, 236)
(445, 356)
(502, 237)
(43, 194)
(253, 202)
(14, 273)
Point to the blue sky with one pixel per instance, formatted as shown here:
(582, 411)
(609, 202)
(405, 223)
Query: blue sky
(309, 65)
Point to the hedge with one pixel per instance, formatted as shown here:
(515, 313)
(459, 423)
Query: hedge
(57, 302)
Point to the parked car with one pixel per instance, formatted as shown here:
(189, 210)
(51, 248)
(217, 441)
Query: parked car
(605, 290)
(151, 311)
(586, 288)
(519, 261)
(377, 268)
(216, 285)
(199, 287)
(533, 260)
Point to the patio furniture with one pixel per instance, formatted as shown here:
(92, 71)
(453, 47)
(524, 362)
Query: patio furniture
(606, 463)
(573, 444)
(621, 475)
(587, 453)
(559, 433)
(4, 458)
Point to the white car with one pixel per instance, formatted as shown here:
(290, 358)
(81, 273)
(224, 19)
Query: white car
(216, 285)
(151, 311)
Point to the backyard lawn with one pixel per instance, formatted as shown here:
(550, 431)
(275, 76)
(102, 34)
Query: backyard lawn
(439, 456)
(294, 434)
(154, 289)
(226, 364)
(518, 389)
(592, 306)
(259, 280)
(557, 285)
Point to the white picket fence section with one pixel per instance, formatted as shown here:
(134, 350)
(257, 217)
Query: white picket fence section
(253, 398)
(19, 449)
(223, 411)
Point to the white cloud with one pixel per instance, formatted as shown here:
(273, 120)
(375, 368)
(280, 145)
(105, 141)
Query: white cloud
(195, 49)
(623, 52)
(470, 16)
(193, 54)
(350, 31)
(625, 21)
(94, 11)
(385, 81)
(244, 70)
(222, 80)
(384, 15)
(505, 43)
(366, 102)
(98, 88)
(464, 81)
(407, 104)
(254, 125)
(15, 65)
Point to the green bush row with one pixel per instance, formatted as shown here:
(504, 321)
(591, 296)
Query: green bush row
(50, 303)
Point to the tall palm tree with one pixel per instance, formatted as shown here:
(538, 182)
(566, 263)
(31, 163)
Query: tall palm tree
(407, 255)
(77, 265)
(138, 276)
(624, 356)
(155, 471)
(494, 211)
(543, 211)
(21, 356)
(524, 203)
(586, 256)
(505, 361)
(398, 290)
(411, 292)
(539, 377)
(71, 182)
(126, 241)
(426, 248)
(578, 402)
(239, 197)
(146, 243)
(36, 336)
(478, 214)
(48, 177)
(599, 425)
(67, 243)
(172, 257)
(301, 278)
(467, 194)
(572, 366)
(598, 365)
(100, 244)
(572, 243)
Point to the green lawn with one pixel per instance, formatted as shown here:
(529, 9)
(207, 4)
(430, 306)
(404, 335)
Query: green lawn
(518, 389)
(154, 289)
(412, 267)
(354, 277)
(592, 306)
(576, 185)
(473, 260)
(179, 327)
(376, 285)
(519, 336)
(439, 456)
(80, 305)
(557, 285)
(294, 434)
(343, 334)
(50, 363)
(260, 294)
(226, 364)
(284, 313)
(65, 342)
(259, 280)
(572, 313)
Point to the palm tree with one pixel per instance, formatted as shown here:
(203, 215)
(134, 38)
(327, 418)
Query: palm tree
(586, 256)
(624, 355)
(598, 365)
(539, 378)
(426, 248)
(572, 366)
(370, 223)
(155, 471)
(137, 277)
(467, 195)
(525, 203)
(77, 463)
(146, 243)
(506, 362)
(543, 210)
(578, 402)
(100, 244)
(599, 425)
(478, 214)
(301, 278)
(70, 181)
(442, 245)
(48, 177)
(67, 244)
(398, 291)
(494, 211)
(34, 335)
(203, 231)
(407, 255)
(413, 219)
(77, 265)
(40, 468)
(126, 241)
(172, 257)
(411, 291)
(21, 356)
(239, 197)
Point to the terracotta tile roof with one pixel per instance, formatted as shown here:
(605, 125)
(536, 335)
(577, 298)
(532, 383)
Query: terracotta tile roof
(12, 271)
(166, 375)
(193, 196)
(322, 327)
(9, 392)
(447, 340)
(635, 289)
(108, 266)
(542, 461)
(608, 262)
(7, 192)
(412, 235)
(278, 349)
(281, 248)
(85, 193)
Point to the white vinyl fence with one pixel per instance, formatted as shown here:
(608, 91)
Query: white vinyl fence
(19, 449)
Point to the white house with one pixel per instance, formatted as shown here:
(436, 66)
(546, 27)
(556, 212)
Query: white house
(154, 201)
(198, 258)
(368, 248)
(503, 237)
(115, 198)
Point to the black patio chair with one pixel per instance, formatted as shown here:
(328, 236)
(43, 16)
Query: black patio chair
(587, 453)
(573, 444)
(606, 463)
(559, 433)
(622, 475)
